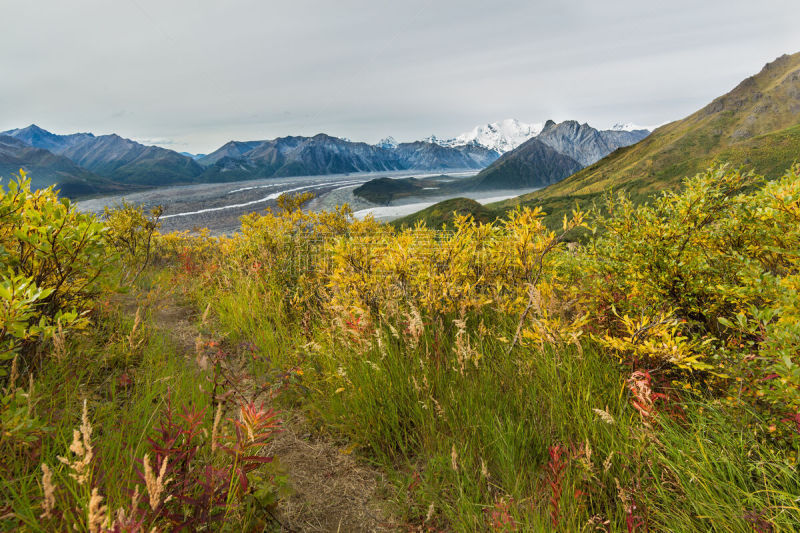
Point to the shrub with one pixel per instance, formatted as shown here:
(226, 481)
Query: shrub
(53, 256)
(130, 232)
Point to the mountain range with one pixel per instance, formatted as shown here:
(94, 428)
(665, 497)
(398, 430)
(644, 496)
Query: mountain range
(84, 164)
(99, 164)
(508, 134)
(323, 154)
(557, 151)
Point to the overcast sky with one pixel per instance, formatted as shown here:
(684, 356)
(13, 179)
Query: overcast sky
(191, 75)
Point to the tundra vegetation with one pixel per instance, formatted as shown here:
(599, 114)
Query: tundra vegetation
(502, 376)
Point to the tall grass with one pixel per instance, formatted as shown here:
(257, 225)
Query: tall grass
(125, 392)
(477, 447)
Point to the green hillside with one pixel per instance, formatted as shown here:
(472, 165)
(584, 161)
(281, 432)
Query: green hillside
(443, 213)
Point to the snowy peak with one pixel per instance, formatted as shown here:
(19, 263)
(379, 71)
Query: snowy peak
(628, 126)
(500, 137)
(388, 143)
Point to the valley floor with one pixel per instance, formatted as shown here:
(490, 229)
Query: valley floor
(219, 206)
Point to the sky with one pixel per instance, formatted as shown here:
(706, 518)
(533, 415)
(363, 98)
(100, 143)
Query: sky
(192, 75)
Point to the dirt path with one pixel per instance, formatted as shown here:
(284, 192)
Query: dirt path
(330, 490)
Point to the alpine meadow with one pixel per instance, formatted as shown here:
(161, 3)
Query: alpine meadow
(578, 328)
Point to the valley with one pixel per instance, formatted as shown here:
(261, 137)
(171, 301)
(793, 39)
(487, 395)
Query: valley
(218, 206)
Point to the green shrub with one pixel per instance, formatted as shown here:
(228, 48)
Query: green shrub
(52, 258)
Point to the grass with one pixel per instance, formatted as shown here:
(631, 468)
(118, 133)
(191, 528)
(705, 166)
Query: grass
(131, 369)
(123, 388)
(465, 449)
(469, 450)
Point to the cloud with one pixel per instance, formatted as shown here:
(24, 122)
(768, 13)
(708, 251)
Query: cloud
(201, 72)
(158, 141)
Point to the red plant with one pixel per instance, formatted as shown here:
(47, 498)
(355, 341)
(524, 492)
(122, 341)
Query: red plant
(640, 385)
(500, 518)
(354, 324)
(795, 418)
(555, 478)
(198, 494)
(255, 427)
(188, 264)
(633, 521)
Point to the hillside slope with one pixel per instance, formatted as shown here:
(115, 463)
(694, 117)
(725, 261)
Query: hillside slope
(443, 214)
(46, 168)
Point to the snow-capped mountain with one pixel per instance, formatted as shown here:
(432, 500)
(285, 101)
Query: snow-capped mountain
(628, 126)
(498, 136)
(387, 142)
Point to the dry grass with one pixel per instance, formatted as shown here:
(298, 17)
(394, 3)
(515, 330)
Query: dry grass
(331, 490)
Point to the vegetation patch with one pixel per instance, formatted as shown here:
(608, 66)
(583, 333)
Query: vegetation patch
(499, 375)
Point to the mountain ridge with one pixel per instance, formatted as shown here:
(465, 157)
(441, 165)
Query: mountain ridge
(325, 154)
(46, 168)
(114, 158)
(506, 135)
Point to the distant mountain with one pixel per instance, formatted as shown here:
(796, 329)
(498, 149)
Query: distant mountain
(129, 162)
(46, 168)
(232, 149)
(757, 125)
(585, 144)
(532, 164)
(425, 155)
(296, 156)
(629, 126)
(37, 137)
(323, 154)
(500, 136)
(558, 151)
(113, 157)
